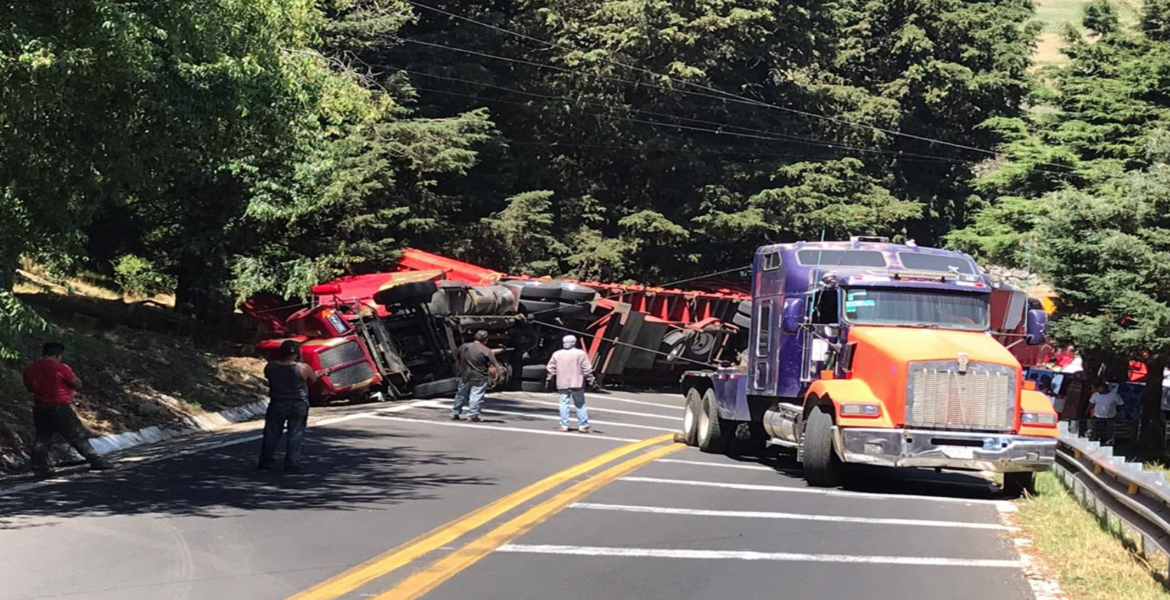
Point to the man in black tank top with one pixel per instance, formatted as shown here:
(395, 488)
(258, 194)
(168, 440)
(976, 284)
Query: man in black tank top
(288, 390)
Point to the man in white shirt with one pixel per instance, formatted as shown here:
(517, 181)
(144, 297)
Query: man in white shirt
(572, 370)
(1104, 402)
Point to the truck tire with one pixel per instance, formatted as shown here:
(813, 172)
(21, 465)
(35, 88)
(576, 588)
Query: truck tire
(691, 410)
(534, 373)
(407, 294)
(1015, 485)
(713, 429)
(536, 387)
(540, 308)
(575, 292)
(435, 389)
(822, 468)
(531, 289)
(577, 312)
(742, 320)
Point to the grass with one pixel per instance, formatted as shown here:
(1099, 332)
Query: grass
(1089, 561)
(1054, 14)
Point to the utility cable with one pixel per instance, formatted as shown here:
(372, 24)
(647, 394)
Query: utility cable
(728, 96)
(772, 134)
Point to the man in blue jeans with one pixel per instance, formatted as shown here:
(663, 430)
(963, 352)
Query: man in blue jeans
(477, 366)
(572, 370)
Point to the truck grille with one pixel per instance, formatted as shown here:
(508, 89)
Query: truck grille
(341, 354)
(351, 375)
(938, 396)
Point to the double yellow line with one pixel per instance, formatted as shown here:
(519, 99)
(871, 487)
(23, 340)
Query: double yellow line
(424, 581)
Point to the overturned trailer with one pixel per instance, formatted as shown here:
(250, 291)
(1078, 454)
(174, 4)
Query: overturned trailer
(394, 335)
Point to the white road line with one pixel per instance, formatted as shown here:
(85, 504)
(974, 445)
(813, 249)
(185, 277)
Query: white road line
(575, 436)
(700, 463)
(626, 400)
(751, 514)
(607, 410)
(443, 406)
(918, 561)
(797, 490)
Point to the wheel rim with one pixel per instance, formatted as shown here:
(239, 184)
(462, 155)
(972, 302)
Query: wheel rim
(704, 424)
(689, 418)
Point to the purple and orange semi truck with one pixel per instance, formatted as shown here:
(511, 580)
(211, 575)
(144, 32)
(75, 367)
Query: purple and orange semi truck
(872, 353)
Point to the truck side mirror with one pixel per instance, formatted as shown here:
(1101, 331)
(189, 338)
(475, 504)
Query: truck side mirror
(1037, 327)
(793, 315)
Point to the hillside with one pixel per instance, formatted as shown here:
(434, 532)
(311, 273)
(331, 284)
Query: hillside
(137, 370)
(1056, 14)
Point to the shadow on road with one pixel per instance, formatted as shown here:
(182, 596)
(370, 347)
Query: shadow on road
(345, 469)
(879, 480)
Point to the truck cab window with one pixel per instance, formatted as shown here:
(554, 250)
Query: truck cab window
(826, 310)
(763, 329)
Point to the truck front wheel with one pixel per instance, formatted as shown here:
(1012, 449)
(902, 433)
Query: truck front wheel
(712, 435)
(1016, 484)
(822, 468)
(691, 417)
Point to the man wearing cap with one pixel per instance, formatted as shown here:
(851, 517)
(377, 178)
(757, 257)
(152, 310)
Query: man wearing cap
(477, 366)
(572, 370)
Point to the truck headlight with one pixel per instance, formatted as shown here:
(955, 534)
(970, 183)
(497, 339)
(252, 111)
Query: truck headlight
(1044, 419)
(861, 410)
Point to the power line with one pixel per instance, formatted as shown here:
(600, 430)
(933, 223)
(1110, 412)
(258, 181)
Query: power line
(775, 135)
(729, 96)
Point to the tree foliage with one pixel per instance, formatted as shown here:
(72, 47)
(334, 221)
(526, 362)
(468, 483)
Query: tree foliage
(240, 146)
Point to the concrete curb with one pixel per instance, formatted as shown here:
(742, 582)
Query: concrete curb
(122, 441)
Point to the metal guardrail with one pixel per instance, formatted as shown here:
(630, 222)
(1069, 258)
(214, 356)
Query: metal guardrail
(1132, 503)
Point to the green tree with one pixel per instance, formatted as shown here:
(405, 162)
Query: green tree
(1107, 255)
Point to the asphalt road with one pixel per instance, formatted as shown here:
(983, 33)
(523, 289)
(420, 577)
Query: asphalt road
(393, 507)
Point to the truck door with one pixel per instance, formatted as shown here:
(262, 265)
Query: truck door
(820, 337)
(762, 350)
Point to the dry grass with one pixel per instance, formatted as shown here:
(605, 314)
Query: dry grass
(1091, 564)
(134, 377)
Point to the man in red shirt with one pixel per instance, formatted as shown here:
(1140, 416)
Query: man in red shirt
(52, 384)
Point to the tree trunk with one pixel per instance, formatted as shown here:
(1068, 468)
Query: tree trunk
(1152, 434)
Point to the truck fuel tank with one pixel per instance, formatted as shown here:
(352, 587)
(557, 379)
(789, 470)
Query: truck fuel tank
(783, 423)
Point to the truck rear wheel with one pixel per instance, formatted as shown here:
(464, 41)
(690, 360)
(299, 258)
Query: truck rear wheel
(1015, 485)
(713, 435)
(822, 468)
(691, 410)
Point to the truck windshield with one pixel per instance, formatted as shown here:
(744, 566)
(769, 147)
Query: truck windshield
(917, 308)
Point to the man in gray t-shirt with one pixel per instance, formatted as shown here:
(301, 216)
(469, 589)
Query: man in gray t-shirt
(477, 366)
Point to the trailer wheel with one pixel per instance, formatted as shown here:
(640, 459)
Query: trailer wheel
(435, 389)
(822, 468)
(712, 428)
(691, 410)
(540, 309)
(408, 294)
(534, 373)
(536, 289)
(1015, 485)
(575, 292)
(535, 387)
(578, 312)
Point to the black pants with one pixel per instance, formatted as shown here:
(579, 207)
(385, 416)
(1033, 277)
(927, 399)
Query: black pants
(53, 419)
(296, 416)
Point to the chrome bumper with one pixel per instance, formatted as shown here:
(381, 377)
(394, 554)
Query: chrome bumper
(944, 449)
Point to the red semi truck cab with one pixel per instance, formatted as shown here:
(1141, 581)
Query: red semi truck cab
(866, 352)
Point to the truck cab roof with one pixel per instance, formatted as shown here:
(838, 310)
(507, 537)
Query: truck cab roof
(864, 262)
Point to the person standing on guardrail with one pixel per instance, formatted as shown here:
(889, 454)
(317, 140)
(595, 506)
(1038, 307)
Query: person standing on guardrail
(288, 390)
(53, 385)
(1104, 402)
(477, 367)
(571, 369)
